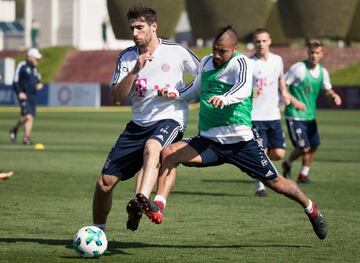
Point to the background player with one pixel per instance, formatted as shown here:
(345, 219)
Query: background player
(27, 82)
(270, 85)
(305, 79)
(141, 70)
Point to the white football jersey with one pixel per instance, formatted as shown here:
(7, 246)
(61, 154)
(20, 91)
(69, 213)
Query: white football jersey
(266, 77)
(167, 69)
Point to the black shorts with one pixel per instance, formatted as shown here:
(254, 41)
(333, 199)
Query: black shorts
(303, 134)
(28, 106)
(126, 156)
(269, 134)
(248, 156)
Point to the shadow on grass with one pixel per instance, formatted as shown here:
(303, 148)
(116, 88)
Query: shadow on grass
(204, 193)
(115, 247)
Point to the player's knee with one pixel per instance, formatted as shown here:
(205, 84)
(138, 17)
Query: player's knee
(103, 186)
(276, 154)
(168, 156)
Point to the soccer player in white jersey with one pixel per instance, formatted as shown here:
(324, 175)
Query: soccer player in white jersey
(142, 70)
(305, 79)
(269, 87)
(224, 87)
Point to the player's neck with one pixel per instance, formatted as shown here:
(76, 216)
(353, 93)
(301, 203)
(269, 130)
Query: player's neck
(154, 43)
(263, 56)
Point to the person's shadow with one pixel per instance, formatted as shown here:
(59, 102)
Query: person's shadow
(117, 247)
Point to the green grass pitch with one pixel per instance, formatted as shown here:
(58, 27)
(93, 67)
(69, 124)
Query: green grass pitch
(212, 215)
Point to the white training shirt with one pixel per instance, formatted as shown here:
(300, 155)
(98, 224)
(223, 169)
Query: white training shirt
(170, 62)
(296, 74)
(237, 73)
(266, 106)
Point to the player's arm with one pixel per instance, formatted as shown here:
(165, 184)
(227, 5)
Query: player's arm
(329, 92)
(20, 92)
(241, 90)
(294, 75)
(119, 91)
(284, 91)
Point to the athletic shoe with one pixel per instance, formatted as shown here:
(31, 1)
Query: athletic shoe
(261, 193)
(27, 142)
(151, 209)
(12, 134)
(286, 170)
(318, 222)
(4, 175)
(303, 179)
(134, 211)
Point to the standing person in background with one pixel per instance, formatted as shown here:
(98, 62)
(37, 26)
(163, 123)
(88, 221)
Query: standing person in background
(27, 82)
(305, 79)
(142, 70)
(269, 85)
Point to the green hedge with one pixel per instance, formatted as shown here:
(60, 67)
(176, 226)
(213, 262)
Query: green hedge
(206, 16)
(317, 18)
(168, 11)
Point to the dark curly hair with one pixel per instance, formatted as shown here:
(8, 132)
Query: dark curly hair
(142, 12)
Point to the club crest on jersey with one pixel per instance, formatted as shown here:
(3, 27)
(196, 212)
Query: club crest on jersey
(165, 67)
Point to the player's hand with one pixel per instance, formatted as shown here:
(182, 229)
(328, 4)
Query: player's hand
(39, 86)
(140, 64)
(169, 93)
(337, 100)
(22, 96)
(216, 102)
(257, 92)
(299, 105)
(286, 98)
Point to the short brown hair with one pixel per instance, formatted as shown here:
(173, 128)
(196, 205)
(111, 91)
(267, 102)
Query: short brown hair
(314, 43)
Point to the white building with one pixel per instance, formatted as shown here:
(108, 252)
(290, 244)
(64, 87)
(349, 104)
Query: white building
(77, 23)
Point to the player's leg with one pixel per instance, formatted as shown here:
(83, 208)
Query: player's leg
(276, 141)
(102, 199)
(309, 154)
(260, 131)
(20, 122)
(28, 125)
(262, 168)
(165, 132)
(299, 139)
(187, 153)
(291, 190)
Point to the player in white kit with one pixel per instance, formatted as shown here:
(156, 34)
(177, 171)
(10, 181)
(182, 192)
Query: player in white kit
(269, 87)
(142, 70)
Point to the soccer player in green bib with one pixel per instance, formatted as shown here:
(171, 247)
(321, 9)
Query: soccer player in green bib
(224, 88)
(305, 79)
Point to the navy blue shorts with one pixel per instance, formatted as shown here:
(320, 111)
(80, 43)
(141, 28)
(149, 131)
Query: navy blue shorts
(248, 156)
(269, 134)
(303, 134)
(126, 156)
(28, 106)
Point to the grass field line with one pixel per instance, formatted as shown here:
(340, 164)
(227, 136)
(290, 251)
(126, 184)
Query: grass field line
(81, 109)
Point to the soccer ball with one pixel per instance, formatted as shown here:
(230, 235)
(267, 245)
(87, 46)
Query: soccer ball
(90, 242)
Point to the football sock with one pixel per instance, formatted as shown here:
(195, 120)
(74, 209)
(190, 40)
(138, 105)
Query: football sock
(309, 208)
(101, 226)
(259, 186)
(159, 199)
(305, 170)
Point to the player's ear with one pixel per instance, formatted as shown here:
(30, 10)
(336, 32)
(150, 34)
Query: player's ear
(154, 26)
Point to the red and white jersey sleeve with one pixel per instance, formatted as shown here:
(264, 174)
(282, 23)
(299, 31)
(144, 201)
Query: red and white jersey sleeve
(167, 69)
